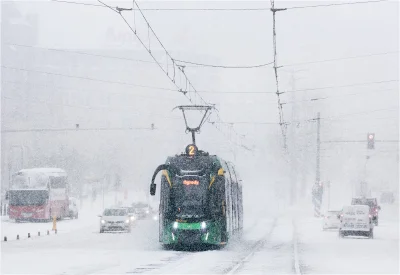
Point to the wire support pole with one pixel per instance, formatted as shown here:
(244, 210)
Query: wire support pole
(281, 118)
(318, 172)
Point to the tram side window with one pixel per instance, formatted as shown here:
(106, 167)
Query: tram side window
(229, 199)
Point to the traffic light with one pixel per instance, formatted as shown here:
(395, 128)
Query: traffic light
(371, 141)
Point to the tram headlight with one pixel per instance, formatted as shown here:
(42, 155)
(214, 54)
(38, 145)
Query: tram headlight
(203, 225)
(175, 225)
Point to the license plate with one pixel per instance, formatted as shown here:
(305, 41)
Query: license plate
(27, 215)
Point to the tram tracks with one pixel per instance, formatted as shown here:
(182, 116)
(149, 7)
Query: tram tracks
(253, 249)
(246, 259)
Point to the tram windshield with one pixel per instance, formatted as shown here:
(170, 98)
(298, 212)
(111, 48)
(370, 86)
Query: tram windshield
(190, 196)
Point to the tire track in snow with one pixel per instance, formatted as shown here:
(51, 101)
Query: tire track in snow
(254, 248)
(296, 258)
(155, 266)
(176, 260)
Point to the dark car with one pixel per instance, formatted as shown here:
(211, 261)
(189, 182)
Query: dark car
(373, 207)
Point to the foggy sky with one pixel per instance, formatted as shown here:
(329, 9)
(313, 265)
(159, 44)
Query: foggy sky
(245, 38)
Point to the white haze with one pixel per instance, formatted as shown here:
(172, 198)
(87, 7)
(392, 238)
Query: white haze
(231, 38)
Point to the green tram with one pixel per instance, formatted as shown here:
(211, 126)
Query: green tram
(200, 201)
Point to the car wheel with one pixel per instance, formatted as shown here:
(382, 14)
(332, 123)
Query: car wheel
(101, 230)
(376, 222)
(371, 234)
(76, 216)
(340, 234)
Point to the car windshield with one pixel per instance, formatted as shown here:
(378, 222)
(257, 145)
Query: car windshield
(139, 205)
(115, 212)
(369, 202)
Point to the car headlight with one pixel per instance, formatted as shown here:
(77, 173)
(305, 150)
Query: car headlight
(203, 225)
(127, 221)
(147, 211)
(155, 218)
(132, 218)
(103, 221)
(175, 225)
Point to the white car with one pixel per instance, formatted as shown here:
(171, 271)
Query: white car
(131, 212)
(73, 208)
(331, 220)
(115, 219)
(356, 221)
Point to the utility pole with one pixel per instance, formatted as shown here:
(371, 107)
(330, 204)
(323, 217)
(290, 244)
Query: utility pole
(318, 188)
(318, 172)
(293, 188)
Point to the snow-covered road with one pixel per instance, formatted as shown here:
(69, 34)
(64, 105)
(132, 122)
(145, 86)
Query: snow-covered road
(267, 247)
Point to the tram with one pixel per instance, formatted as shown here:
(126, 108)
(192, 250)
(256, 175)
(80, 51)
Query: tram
(201, 200)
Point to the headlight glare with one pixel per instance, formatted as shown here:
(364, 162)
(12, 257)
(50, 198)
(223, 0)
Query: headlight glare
(175, 225)
(203, 225)
(103, 221)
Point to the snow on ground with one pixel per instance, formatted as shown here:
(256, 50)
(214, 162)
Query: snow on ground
(87, 215)
(86, 251)
(276, 254)
(266, 247)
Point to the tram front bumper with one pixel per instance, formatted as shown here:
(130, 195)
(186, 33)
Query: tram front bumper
(190, 236)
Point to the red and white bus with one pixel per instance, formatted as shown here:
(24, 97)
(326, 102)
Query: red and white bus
(39, 194)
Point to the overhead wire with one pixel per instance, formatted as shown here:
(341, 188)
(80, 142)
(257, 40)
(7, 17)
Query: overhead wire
(225, 66)
(347, 114)
(187, 80)
(88, 78)
(336, 4)
(196, 64)
(4, 131)
(97, 108)
(338, 59)
(168, 9)
(342, 86)
(118, 91)
(337, 96)
(227, 9)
